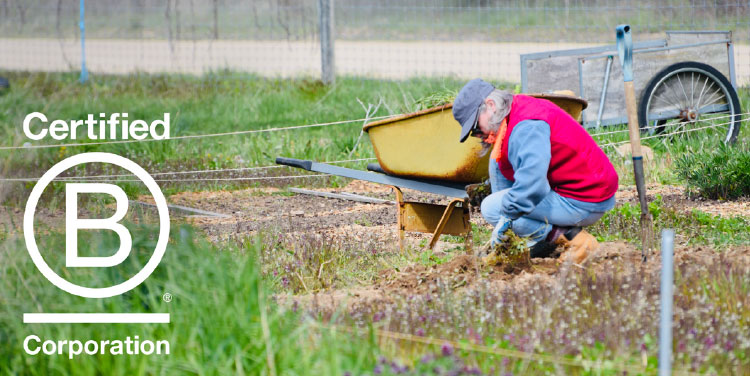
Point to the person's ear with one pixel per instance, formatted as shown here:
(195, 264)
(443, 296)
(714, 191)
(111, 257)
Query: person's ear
(490, 104)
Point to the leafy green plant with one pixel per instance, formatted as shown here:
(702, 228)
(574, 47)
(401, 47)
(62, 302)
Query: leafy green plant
(622, 223)
(723, 173)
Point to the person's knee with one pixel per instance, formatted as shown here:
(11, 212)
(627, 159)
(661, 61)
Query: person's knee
(490, 207)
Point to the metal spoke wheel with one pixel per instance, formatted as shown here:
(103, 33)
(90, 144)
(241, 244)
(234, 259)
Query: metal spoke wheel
(690, 97)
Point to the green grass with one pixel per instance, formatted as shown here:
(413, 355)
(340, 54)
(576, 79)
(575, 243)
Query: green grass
(220, 290)
(213, 103)
(217, 323)
(220, 296)
(721, 174)
(692, 226)
(667, 150)
(226, 102)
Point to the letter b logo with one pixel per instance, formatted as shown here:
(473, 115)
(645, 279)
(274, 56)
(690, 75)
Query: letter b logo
(72, 224)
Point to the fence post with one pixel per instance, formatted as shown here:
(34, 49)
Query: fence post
(665, 323)
(84, 73)
(327, 66)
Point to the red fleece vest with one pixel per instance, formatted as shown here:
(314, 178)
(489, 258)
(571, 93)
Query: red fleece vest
(578, 169)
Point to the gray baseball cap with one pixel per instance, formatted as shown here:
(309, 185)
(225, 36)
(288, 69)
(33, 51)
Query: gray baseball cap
(466, 104)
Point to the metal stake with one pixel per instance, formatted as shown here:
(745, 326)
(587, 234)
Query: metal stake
(665, 322)
(84, 73)
(604, 93)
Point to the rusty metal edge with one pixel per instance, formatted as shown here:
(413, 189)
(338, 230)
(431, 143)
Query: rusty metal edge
(573, 98)
(367, 126)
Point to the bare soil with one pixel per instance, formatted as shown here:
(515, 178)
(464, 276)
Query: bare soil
(256, 210)
(269, 209)
(464, 273)
(675, 196)
(253, 210)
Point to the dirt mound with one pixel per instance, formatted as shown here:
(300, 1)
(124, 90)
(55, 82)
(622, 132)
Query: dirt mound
(462, 270)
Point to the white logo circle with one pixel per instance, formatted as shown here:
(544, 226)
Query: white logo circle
(161, 243)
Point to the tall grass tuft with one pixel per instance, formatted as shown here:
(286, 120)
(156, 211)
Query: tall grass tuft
(222, 319)
(723, 173)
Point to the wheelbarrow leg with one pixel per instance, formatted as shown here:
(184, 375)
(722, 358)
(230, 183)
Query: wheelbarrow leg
(468, 239)
(400, 217)
(443, 221)
(423, 217)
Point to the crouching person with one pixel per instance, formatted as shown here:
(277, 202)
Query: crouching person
(549, 178)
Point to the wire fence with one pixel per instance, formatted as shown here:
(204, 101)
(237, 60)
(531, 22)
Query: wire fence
(195, 136)
(681, 127)
(380, 38)
(118, 177)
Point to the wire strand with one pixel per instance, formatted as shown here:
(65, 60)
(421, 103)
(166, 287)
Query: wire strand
(82, 178)
(235, 133)
(173, 180)
(160, 173)
(615, 144)
(599, 134)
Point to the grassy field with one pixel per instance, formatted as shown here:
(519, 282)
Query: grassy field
(228, 311)
(228, 102)
(222, 102)
(225, 320)
(205, 334)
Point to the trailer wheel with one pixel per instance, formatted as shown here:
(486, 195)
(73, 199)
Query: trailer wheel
(690, 97)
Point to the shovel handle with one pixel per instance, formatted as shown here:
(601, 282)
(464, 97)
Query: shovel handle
(633, 128)
(625, 52)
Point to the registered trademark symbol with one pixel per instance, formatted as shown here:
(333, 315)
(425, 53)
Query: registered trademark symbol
(167, 297)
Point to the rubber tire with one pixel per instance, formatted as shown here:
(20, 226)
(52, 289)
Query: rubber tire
(695, 67)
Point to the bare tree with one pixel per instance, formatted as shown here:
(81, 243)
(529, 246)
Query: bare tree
(177, 18)
(216, 19)
(21, 13)
(168, 16)
(58, 11)
(281, 19)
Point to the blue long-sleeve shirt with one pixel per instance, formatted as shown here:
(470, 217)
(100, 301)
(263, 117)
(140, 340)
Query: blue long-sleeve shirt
(529, 154)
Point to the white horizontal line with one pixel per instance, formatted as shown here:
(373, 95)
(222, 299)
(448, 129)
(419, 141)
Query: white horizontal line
(95, 318)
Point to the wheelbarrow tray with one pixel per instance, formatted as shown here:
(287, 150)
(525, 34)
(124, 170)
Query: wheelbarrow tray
(424, 145)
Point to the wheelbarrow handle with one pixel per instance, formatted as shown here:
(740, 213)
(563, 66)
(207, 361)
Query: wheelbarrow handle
(293, 162)
(625, 51)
